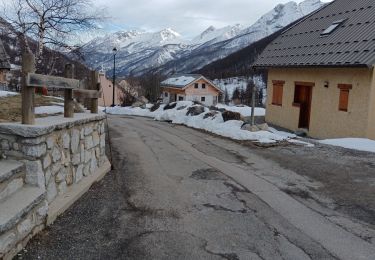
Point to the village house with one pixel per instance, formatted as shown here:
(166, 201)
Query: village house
(106, 99)
(4, 65)
(321, 72)
(190, 87)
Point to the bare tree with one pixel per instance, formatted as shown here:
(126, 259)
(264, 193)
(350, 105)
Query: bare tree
(130, 91)
(226, 97)
(49, 22)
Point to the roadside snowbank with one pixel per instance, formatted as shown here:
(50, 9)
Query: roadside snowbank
(49, 110)
(359, 144)
(214, 124)
(7, 93)
(244, 111)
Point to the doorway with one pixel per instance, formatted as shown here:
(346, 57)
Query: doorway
(302, 99)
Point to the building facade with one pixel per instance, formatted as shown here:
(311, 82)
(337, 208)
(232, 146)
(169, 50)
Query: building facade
(321, 73)
(190, 88)
(107, 96)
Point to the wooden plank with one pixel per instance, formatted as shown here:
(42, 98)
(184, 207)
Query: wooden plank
(37, 80)
(304, 83)
(68, 93)
(86, 93)
(28, 66)
(95, 86)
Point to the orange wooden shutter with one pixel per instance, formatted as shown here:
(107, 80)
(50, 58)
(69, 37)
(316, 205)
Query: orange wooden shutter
(344, 100)
(344, 96)
(277, 95)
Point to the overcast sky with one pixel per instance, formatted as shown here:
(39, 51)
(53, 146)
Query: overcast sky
(188, 17)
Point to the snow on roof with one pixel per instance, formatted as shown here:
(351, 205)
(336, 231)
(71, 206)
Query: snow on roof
(180, 80)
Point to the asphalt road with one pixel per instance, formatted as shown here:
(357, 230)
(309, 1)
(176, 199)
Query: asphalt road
(177, 193)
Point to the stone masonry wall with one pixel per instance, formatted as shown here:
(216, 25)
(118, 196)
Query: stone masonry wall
(14, 240)
(59, 159)
(56, 157)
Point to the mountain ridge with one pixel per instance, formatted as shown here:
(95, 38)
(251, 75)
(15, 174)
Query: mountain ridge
(167, 52)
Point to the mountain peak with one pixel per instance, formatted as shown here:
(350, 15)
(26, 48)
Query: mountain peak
(209, 29)
(170, 31)
(309, 6)
(212, 34)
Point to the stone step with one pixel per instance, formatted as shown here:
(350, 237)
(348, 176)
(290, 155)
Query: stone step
(12, 177)
(8, 168)
(16, 206)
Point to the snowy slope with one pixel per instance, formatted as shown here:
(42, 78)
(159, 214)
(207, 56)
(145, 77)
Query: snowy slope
(213, 35)
(166, 51)
(276, 19)
(136, 50)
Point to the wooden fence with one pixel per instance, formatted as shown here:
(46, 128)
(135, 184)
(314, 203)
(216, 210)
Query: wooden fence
(85, 90)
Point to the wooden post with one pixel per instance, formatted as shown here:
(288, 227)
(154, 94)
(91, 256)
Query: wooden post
(68, 93)
(253, 104)
(94, 104)
(28, 93)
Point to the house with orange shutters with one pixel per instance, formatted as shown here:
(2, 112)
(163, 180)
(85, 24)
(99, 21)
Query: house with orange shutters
(190, 87)
(321, 77)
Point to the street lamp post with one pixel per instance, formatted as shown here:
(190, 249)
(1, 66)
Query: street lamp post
(114, 75)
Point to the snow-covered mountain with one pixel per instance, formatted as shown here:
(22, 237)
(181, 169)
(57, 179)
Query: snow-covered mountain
(166, 51)
(281, 16)
(136, 50)
(213, 35)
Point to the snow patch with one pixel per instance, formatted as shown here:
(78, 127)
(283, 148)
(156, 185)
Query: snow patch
(360, 144)
(244, 111)
(7, 93)
(49, 110)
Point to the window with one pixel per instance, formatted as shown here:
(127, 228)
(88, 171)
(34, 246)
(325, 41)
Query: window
(277, 93)
(344, 97)
(196, 85)
(332, 27)
(203, 86)
(203, 99)
(180, 98)
(166, 94)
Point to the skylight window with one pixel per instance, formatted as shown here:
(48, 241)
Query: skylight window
(332, 27)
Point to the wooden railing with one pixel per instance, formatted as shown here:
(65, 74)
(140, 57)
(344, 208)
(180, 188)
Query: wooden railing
(72, 88)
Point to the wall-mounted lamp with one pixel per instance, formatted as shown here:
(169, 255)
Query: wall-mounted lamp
(326, 84)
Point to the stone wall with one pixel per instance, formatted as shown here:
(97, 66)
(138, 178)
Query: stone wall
(60, 156)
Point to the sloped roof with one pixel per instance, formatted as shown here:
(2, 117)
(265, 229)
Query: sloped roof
(184, 80)
(4, 59)
(181, 80)
(349, 44)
